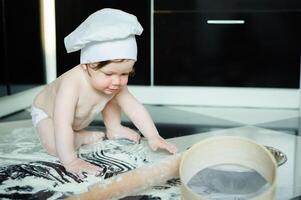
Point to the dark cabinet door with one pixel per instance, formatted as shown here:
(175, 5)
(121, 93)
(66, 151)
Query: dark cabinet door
(261, 49)
(22, 63)
(229, 5)
(3, 89)
(68, 19)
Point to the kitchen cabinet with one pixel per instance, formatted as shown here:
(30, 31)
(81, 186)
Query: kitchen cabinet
(230, 5)
(68, 19)
(3, 89)
(21, 50)
(253, 49)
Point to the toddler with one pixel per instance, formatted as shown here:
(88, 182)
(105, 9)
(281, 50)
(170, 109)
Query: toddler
(62, 110)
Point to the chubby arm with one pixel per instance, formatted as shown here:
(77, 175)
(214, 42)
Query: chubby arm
(137, 113)
(112, 119)
(142, 120)
(63, 116)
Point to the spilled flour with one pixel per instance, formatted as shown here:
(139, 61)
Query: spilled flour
(28, 172)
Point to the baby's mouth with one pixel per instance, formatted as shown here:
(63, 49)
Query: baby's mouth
(113, 89)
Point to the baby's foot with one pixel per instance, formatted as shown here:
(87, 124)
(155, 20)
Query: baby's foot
(87, 137)
(123, 132)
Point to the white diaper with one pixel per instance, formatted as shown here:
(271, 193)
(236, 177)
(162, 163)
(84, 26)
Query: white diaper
(37, 115)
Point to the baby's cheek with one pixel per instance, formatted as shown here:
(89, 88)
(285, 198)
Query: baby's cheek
(101, 83)
(124, 81)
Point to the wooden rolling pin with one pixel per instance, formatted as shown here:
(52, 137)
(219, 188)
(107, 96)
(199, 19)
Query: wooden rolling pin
(133, 181)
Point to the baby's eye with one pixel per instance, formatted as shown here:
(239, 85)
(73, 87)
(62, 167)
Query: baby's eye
(125, 74)
(107, 74)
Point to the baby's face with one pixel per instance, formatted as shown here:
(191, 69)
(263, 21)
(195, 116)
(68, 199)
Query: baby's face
(112, 77)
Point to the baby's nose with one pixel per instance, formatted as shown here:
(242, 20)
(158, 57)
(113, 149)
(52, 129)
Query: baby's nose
(116, 80)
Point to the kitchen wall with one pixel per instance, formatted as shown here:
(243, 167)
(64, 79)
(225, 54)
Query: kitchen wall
(193, 52)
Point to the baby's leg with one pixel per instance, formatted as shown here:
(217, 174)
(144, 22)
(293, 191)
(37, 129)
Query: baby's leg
(46, 134)
(45, 131)
(87, 137)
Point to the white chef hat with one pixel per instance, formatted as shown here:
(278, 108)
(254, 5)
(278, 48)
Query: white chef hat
(107, 34)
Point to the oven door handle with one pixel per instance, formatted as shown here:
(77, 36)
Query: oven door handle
(225, 21)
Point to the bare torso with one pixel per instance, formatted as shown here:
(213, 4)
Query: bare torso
(89, 102)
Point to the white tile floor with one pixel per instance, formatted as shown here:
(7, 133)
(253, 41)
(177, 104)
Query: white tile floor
(247, 116)
(234, 121)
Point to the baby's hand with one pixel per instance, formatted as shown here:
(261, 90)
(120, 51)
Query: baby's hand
(159, 143)
(78, 166)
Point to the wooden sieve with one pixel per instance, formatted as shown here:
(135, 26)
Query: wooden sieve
(228, 150)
